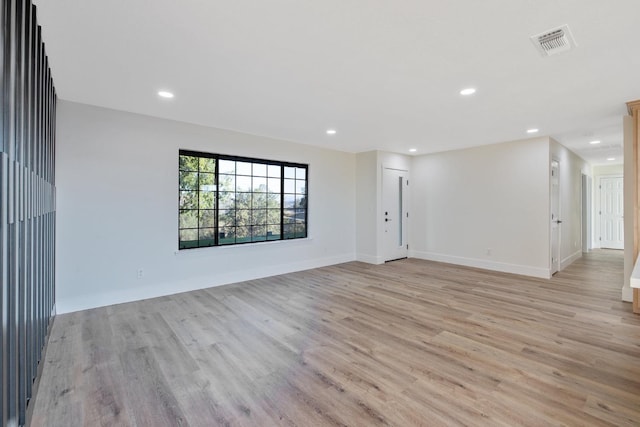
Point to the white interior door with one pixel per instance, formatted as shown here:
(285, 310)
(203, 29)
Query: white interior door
(611, 213)
(555, 216)
(394, 215)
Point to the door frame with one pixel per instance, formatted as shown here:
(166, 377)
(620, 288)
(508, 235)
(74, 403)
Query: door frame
(587, 213)
(383, 250)
(597, 224)
(555, 267)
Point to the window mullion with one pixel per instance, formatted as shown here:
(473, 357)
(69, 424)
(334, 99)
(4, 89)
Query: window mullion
(281, 202)
(216, 176)
(198, 201)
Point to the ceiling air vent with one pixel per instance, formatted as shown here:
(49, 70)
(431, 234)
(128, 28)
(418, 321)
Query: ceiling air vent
(556, 40)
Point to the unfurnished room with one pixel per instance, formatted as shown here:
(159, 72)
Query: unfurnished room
(330, 213)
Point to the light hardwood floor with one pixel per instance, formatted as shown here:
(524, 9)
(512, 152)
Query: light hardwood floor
(406, 343)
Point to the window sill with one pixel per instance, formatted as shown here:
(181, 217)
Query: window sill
(181, 252)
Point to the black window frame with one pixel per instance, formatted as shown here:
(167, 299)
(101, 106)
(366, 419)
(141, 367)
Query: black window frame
(297, 225)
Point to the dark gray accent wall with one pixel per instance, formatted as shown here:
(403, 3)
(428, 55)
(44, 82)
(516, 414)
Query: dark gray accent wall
(27, 205)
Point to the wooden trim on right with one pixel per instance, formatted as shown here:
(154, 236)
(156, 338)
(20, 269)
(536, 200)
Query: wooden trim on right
(633, 107)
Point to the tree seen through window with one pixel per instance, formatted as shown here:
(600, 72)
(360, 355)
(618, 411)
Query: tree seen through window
(229, 200)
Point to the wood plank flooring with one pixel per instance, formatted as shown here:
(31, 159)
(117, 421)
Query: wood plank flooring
(407, 343)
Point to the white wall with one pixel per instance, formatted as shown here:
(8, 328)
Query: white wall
(600, 170)
(496, 197)
(392, 161)
(117, 180)
(366, 207)
(571, 169)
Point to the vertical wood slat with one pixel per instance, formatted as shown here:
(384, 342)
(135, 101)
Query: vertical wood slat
(12, 374)
(20, 288)
(39, 236)
(4, 186)
(29, 348)
(27, 209)
(4, 162)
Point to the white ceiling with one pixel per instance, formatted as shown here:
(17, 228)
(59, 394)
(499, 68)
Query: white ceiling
(386, 74)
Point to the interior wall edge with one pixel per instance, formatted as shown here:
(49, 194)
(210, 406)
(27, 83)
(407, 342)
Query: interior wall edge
(370, 259)
(566, 262)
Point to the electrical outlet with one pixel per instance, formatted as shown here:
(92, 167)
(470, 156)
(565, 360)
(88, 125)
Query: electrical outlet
(140, 273)
(488, 251)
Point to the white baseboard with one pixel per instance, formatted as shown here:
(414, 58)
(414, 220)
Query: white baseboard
(369, 259)
(524, 270)
(627, 294)
(570, 259)
(71, 304)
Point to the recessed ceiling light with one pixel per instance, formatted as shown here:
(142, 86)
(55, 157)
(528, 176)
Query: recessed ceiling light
(468, 91)
(594, 142)
(331, 131)
(165, 94)
(611, 158)
(412, 150)
(532, 130)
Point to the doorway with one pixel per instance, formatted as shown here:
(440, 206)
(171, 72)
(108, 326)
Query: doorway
(555, 216)
(394, 213)
(611, 212)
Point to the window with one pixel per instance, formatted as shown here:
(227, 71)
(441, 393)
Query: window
(225, 200)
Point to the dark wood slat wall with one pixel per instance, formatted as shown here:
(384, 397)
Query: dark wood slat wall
(27, 205)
